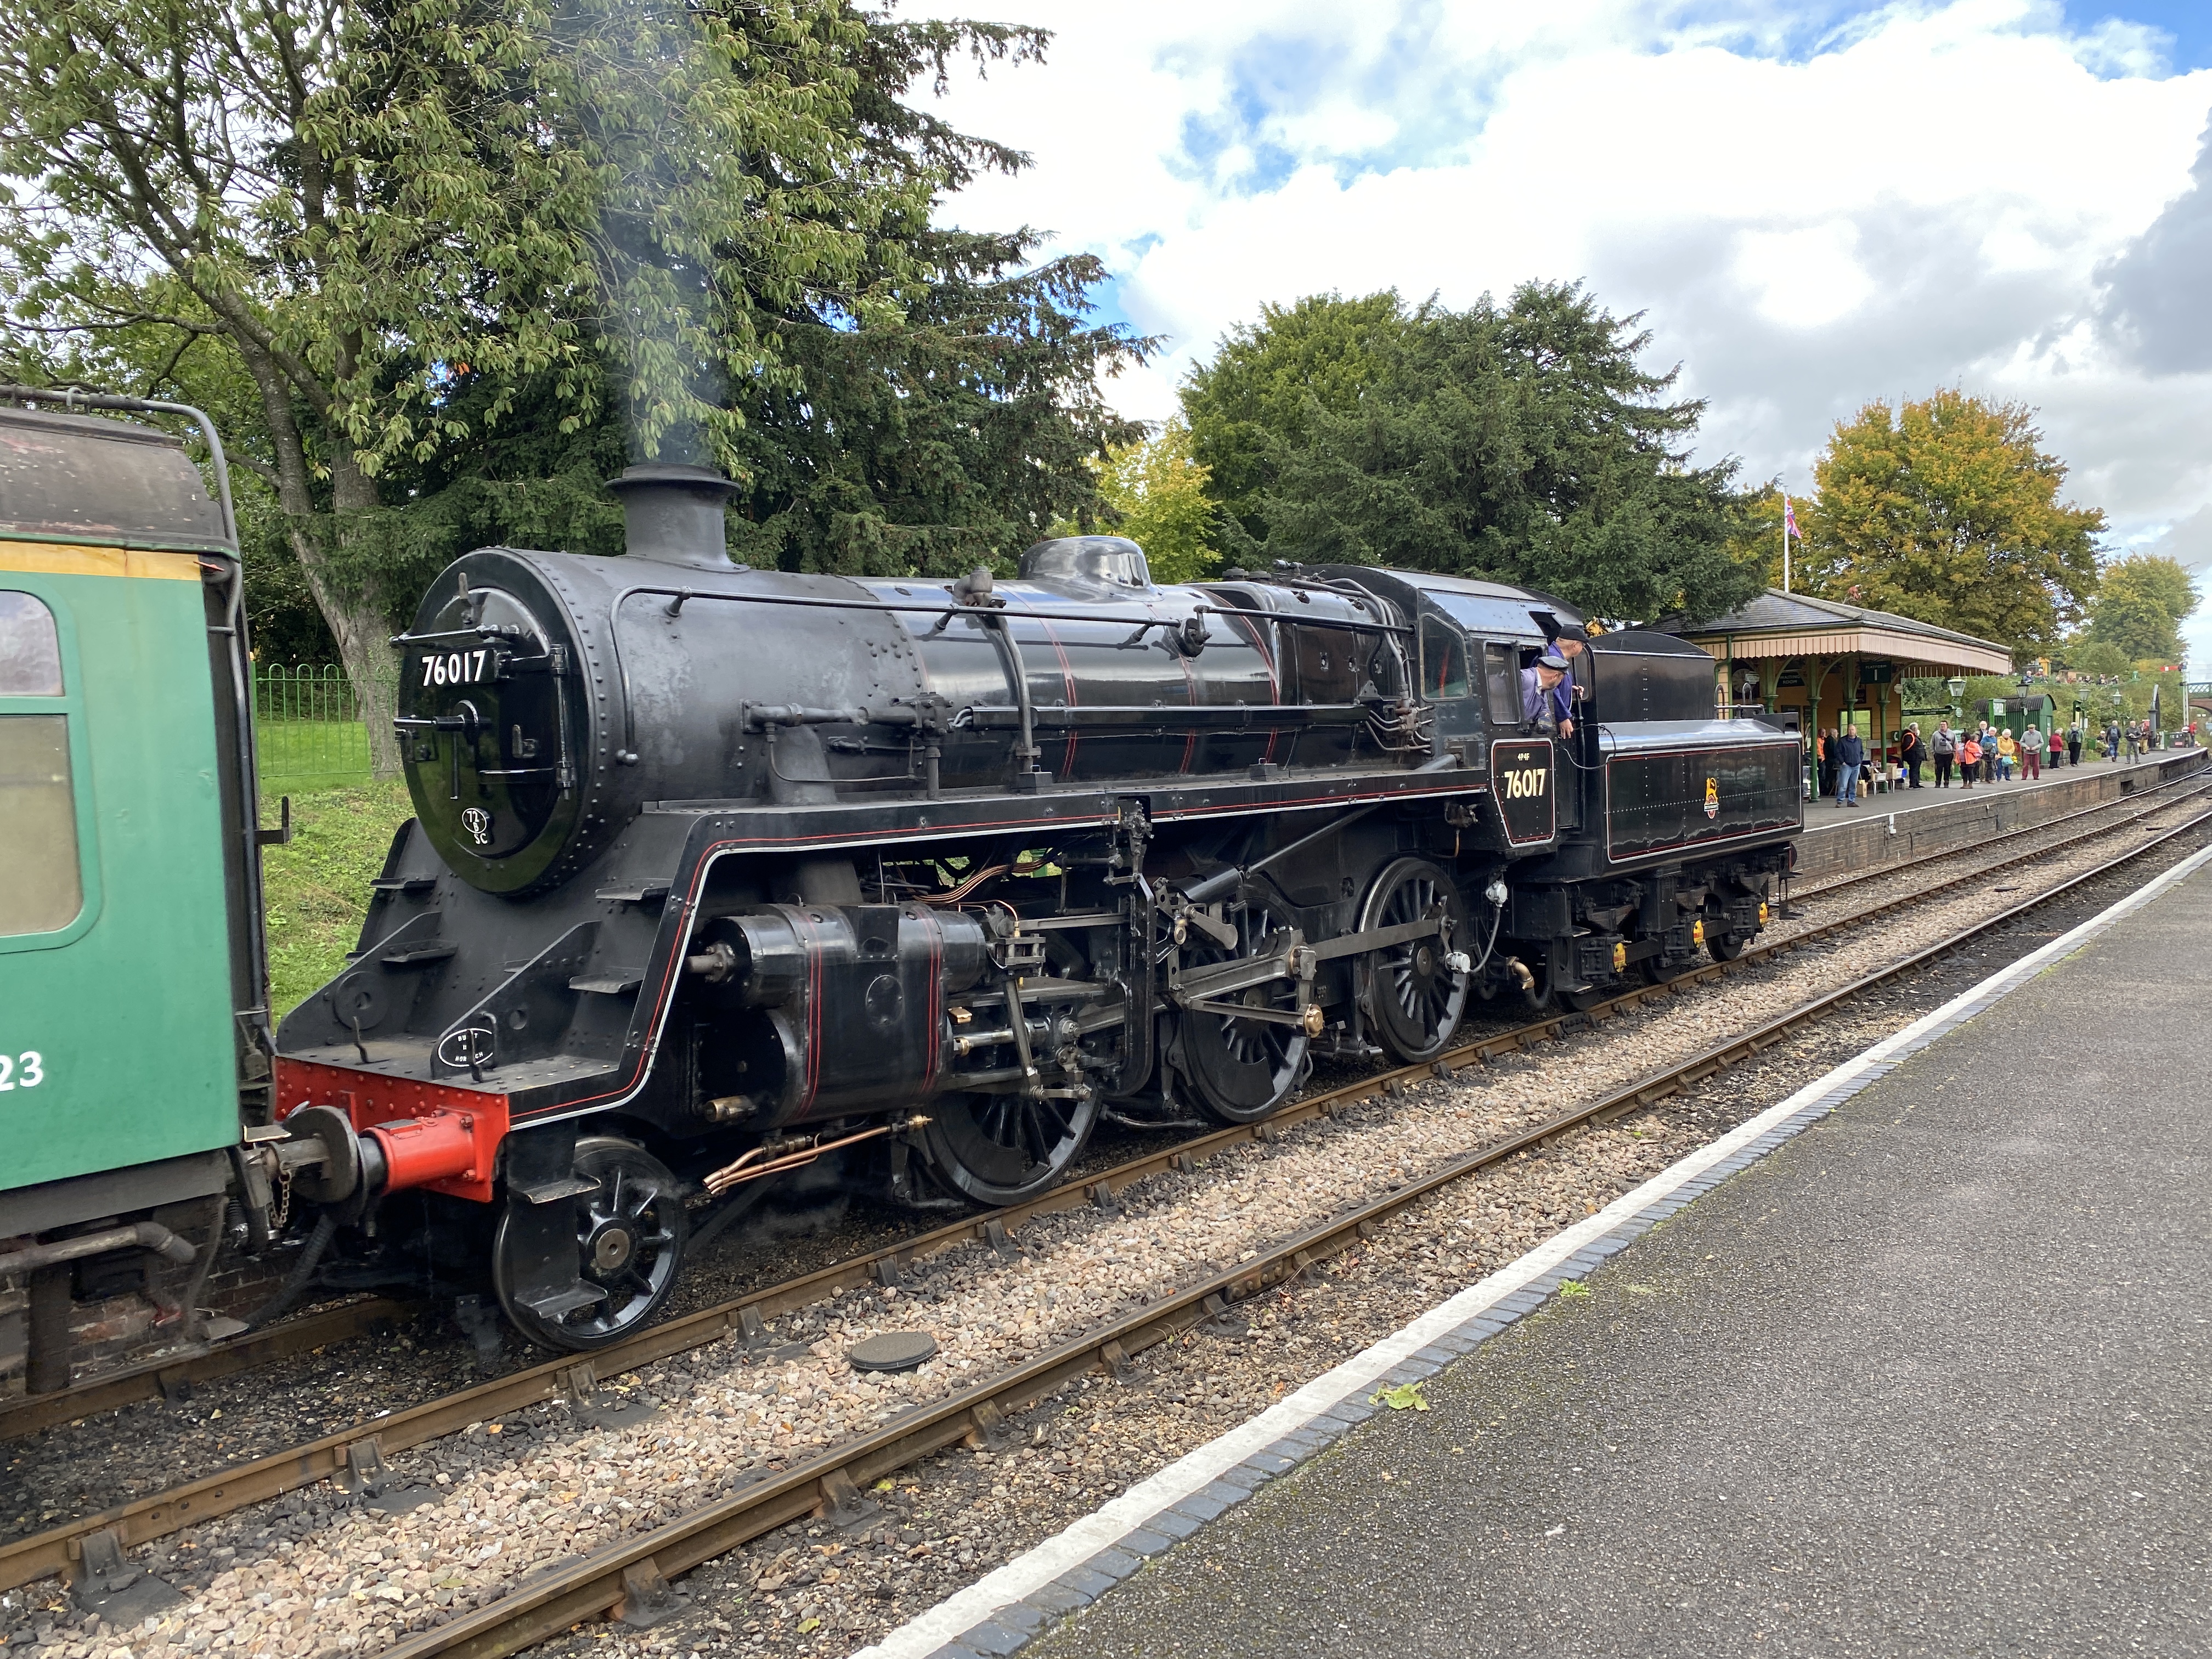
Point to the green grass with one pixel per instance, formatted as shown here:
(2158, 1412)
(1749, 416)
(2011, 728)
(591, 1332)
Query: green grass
(316, 889)
(295, 757)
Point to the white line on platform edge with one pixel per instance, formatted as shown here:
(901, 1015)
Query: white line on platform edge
(1031, 1572)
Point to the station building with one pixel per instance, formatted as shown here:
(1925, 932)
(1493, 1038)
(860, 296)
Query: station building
(1817, 664)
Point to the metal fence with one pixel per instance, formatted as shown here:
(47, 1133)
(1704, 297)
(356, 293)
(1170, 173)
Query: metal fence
(308, 727)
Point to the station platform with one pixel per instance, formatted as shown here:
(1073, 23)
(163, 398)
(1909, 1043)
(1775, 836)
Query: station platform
(1907, 823)
(1929, 1381)
(1902, 798)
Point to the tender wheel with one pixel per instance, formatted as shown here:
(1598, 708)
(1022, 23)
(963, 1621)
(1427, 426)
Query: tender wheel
(1243, 1066)
(1414, 996)
(1724, 947)
(630, 1231)
(1002, 1149)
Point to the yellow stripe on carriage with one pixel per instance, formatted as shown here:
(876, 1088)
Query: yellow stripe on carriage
(60, 559)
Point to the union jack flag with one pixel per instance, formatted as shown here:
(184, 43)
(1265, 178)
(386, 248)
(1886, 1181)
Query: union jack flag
(1789, 520)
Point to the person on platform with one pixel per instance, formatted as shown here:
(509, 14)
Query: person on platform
(2007, 756)
(1824, 763)
(1914, 754)
(2057, 748)
(1851, 755)
(1542, 704)
(2031, 753)
(1944, 746)
(2073, 745)
(1970, 761)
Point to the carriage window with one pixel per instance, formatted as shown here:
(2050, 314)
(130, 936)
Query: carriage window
(45, 888)
(1501, 672)
(1443, 660)
(30, 653)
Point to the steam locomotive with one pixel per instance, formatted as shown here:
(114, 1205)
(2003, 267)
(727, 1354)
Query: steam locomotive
(715, 872)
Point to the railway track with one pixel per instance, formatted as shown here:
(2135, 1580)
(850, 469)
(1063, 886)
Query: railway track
(174, 1376)
(830, 1485)
(360, 1450)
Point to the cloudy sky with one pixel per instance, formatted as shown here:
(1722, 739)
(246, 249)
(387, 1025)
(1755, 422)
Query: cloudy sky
(1814, 204)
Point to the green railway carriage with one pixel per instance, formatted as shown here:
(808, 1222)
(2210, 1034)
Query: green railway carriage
(133, 1013)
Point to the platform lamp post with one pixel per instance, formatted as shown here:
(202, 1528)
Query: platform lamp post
(1957, 688)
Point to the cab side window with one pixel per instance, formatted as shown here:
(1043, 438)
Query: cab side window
(1501, 674)
(45, 888)
(1443, 660)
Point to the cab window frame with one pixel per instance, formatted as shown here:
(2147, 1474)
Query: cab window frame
(1501, 679)
(70, 705)
(1454, 638)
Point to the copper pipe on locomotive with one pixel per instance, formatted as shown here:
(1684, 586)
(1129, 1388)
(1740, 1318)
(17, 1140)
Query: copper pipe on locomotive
(796, 1152)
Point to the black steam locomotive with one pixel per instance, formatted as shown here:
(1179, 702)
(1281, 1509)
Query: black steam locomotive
(718, 869)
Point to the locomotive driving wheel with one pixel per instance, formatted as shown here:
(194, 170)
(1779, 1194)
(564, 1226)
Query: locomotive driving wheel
(630, 1230)
(1415, 993)
(1245, 1066)
(1002, 1149)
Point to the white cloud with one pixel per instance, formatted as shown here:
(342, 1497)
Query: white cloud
(1803, 277)
(1925, 195)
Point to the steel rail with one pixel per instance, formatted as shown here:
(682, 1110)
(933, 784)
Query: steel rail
(575, 1377)
(829, 1485)
(172, 1377)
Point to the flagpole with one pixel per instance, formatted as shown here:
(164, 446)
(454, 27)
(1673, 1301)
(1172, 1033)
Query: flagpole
(1785, 541)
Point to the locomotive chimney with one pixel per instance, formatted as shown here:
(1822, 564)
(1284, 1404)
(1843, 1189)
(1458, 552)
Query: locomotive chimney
(672, 512)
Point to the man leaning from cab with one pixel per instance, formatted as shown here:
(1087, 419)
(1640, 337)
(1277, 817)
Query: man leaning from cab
(1546, 705)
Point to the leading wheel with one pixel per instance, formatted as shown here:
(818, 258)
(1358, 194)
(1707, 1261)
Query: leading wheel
(1003, 1149)
(1414, 993)
(1245, 1066)
(629, 1233)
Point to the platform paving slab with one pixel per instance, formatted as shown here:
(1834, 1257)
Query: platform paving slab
(1927, 1377)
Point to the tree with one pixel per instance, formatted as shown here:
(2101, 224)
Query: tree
(950, 431)
(1947, 510)
(2140, 606)
(1755, 538)
(460, 256)
(284, 184)
(1155, 494)
(1248, 408)
(1523, 443)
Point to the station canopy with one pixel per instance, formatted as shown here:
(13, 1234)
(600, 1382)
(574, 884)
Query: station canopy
(1817, 664)
(1781, 626)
